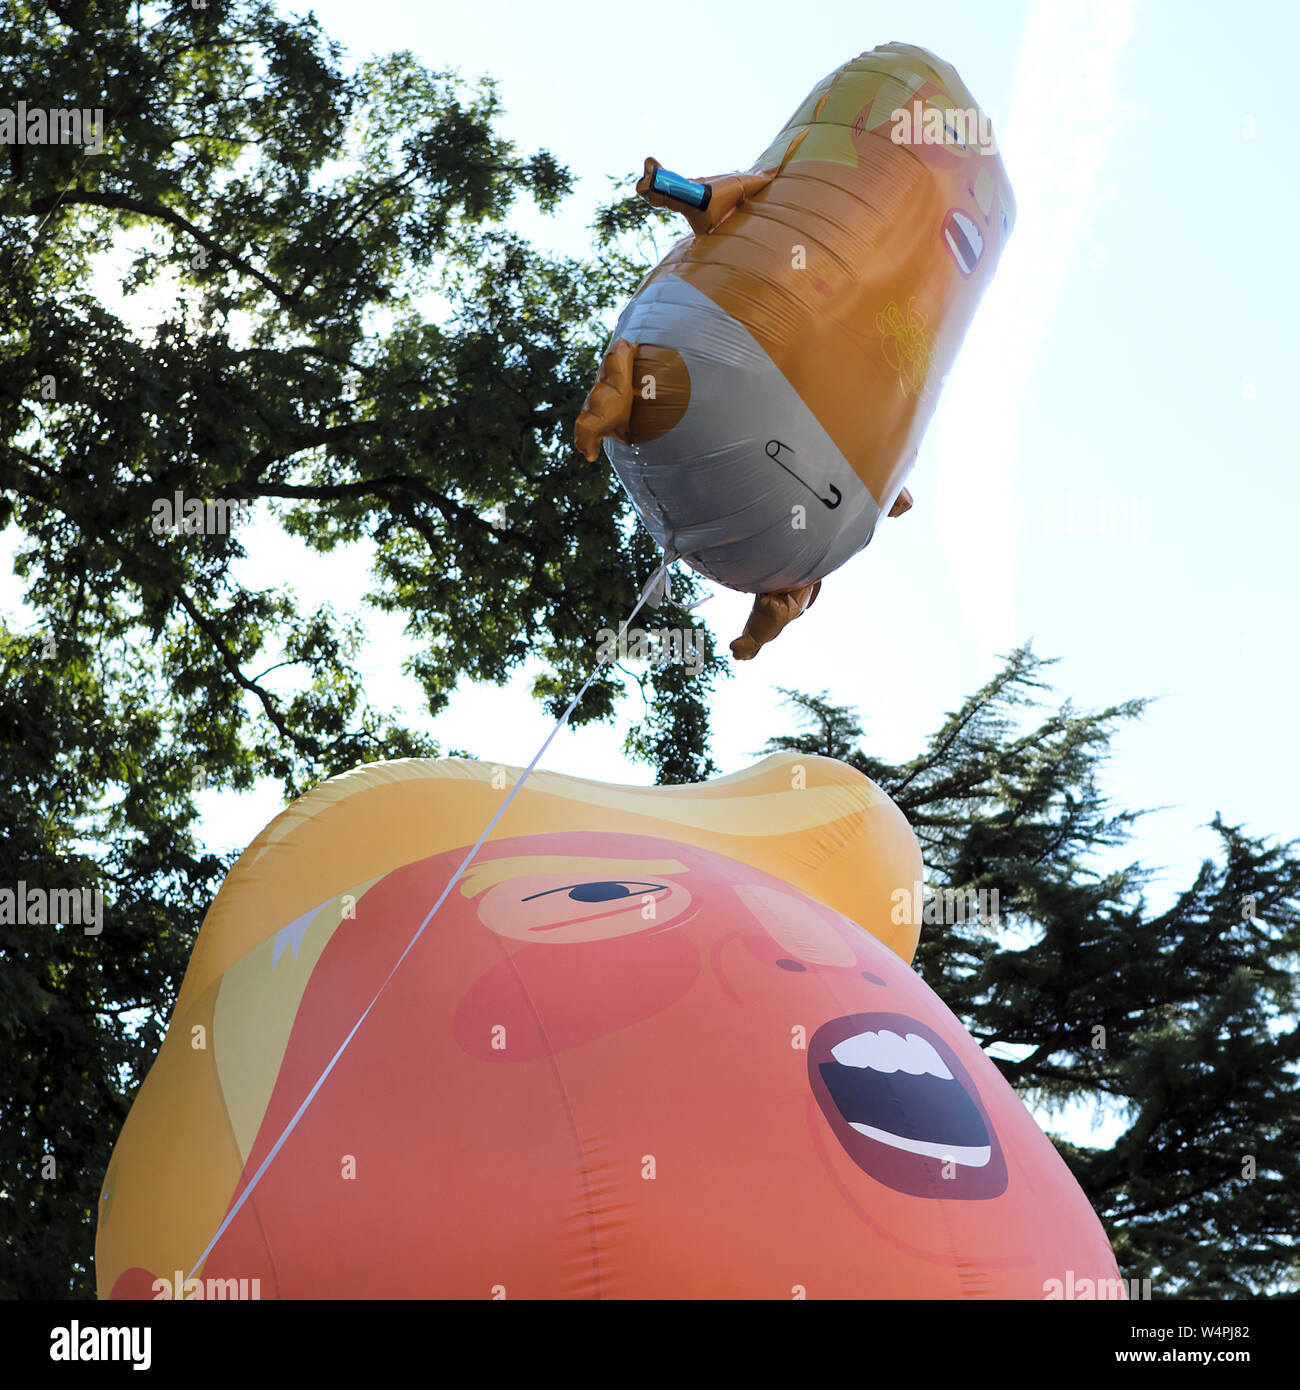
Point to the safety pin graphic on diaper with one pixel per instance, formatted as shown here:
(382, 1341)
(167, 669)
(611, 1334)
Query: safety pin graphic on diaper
(773, 448)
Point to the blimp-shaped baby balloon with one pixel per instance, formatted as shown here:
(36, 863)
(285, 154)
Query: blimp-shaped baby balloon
(765, 391)
(656, 1043)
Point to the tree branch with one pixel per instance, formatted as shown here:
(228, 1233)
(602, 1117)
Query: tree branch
(120, 202)
(231, 662)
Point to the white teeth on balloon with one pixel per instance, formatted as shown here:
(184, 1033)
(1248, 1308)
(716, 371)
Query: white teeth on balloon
(884, 1051)
(974, 240)
(966, 1156)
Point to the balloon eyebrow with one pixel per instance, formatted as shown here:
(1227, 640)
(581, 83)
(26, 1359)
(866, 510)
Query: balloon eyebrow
(480, 877)
(548, 891)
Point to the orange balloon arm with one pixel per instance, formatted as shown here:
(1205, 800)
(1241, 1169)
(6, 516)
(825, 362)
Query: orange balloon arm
(608, 408)
(903, 503)
(704, 203)
(770, 614)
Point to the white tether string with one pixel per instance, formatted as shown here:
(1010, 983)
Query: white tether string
(660, 576)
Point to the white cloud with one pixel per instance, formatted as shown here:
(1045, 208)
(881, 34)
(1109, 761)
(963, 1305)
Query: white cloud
(1065, 112)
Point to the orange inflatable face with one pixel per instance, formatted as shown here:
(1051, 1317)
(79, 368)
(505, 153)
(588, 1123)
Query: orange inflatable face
(958, 144)
(722, 933)
(619, 1065)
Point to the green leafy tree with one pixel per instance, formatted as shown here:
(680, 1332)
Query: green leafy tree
(1183, 1022)
(96, 802)
(352, 340)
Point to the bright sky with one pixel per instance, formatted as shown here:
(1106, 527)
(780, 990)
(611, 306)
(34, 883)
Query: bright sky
(1112, 468)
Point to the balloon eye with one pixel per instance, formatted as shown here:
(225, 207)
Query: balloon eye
(791, 965)
(598, 892)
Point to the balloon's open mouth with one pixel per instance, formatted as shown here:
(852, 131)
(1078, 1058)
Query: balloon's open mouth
(904, 1108)
(964, 240)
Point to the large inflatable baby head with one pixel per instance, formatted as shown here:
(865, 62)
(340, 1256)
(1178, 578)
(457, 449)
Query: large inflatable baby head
(656, 1043)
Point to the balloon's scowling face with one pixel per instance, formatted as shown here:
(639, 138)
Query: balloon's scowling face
(759, 953)
(623, 1066)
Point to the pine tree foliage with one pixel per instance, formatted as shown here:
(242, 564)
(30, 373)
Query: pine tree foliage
(1182, 1022)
